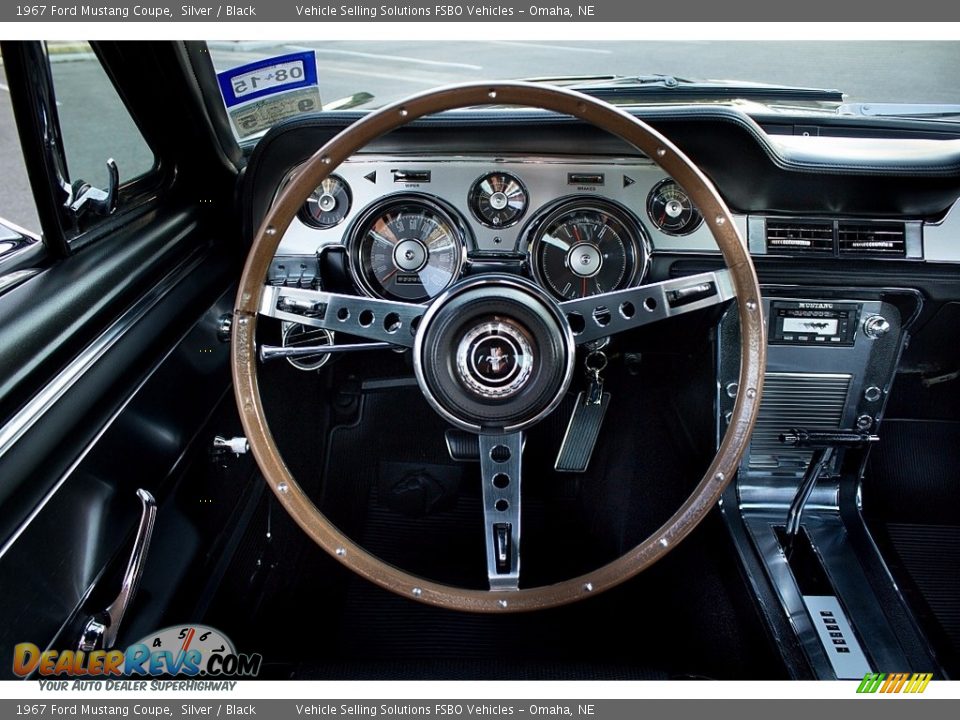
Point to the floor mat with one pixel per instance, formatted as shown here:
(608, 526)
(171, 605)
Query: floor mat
(911, 495)
(690, 614)
(930, 555)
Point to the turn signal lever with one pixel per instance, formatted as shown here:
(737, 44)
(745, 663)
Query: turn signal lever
(824, 443)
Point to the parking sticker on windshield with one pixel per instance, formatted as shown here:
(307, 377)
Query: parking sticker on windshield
(264, 92)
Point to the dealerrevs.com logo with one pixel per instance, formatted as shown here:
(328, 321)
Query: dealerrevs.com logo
(185, 650)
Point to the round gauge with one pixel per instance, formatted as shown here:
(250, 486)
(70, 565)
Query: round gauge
(498, 199)
(671, 209)
(587, 246)
(329, 204)
(407, 249)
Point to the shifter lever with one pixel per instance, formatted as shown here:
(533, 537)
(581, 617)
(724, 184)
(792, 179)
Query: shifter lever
(824, 443)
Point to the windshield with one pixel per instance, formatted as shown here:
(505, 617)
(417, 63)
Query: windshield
(367, 74)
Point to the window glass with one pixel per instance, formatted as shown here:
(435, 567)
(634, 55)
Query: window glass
(94, 121)
(16, 200)
(259, 87)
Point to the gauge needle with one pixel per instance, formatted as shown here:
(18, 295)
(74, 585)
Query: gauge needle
(383, 239)
(576, 233)
(389, 275)
(556, 242)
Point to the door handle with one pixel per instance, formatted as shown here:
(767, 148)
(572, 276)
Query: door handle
(100, 631)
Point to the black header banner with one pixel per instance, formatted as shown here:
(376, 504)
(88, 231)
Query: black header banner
(585, 11)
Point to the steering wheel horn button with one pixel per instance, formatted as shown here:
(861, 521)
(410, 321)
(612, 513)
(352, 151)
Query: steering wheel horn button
(494, 354)
(495, 359)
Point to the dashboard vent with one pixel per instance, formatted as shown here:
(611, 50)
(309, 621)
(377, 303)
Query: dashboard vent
(800, 236)
(874, 238)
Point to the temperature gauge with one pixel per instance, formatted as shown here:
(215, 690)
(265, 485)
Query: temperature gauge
(671, 210)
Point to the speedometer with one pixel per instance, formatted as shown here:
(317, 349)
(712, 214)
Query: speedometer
(407, 248)
(586, 247)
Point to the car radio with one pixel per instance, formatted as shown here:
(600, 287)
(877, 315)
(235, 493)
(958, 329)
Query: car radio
(813, 322)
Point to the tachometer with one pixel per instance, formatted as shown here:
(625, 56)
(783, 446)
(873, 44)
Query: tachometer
(408, 248)
(587, 246)
(671, 210)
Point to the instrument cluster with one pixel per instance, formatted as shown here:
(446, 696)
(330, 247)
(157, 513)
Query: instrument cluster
(410, 228)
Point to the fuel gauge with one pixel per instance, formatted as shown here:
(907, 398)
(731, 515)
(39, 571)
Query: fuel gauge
(671, 210)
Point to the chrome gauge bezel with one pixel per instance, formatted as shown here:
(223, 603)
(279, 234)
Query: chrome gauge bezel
(475, 212)
(641, 245)
(307, 217)
(357, 231)
(654, 192)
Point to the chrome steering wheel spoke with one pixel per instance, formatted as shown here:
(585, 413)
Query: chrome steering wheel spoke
(500, 461)
(599, 316)
(386, 321)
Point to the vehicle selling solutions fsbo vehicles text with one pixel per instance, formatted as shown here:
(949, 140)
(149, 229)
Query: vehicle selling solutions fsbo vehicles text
(442, 11)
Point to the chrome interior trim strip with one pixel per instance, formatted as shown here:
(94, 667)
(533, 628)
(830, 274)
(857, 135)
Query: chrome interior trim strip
(38, 405)
(11, 280)
(128, 320)
(20, 229)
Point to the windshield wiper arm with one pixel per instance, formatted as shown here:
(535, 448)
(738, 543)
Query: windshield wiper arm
(660, 87)
(899, 110)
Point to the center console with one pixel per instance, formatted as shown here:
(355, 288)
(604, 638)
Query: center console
(831, 360)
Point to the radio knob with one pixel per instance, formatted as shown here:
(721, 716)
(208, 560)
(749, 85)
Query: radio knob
(876, 326)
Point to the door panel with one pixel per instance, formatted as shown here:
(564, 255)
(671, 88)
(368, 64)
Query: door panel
(109, 361)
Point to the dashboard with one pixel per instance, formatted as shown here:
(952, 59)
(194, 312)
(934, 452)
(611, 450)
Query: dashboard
(854, 233)
(826, 204)
(410, 226)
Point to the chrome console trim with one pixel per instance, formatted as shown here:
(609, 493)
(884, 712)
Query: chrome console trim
(940, 238)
